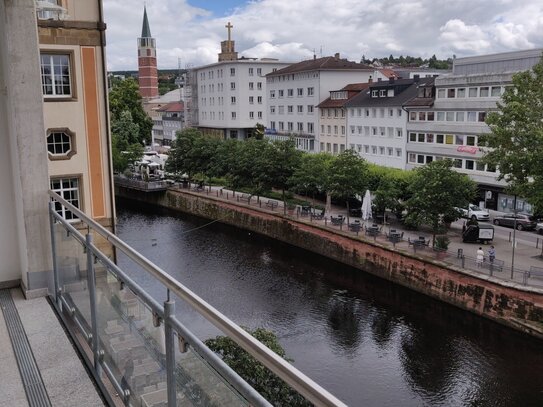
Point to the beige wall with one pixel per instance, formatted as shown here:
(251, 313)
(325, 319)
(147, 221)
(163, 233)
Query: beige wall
(325, 137)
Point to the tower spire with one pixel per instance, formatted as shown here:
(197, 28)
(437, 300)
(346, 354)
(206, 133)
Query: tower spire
(145, 30)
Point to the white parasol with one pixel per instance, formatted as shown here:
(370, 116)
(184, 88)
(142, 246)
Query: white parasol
(366, 206)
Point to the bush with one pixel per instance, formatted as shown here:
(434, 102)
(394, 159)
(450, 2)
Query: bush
(442, 242)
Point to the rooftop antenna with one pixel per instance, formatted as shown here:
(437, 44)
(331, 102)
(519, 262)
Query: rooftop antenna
(320, 52)
(314, 54)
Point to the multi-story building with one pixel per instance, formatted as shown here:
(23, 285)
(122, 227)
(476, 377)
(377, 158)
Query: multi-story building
(55, 121)
(295, 91)
(172, 120)
(449, 126)
(376, 122)
(228, 98)
(332, 127)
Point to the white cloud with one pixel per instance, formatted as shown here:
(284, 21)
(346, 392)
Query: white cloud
(291, 30)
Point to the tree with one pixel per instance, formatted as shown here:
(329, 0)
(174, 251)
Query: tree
(436, 189)
(313, 175)
(283, 160)
(268, 384)
(348, 175)
(125, 96)
(515, 144)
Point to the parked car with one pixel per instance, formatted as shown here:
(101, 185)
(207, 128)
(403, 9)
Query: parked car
(539, 228)
(474, 212)
(524, 221)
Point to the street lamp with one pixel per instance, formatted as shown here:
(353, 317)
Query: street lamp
(514, 236)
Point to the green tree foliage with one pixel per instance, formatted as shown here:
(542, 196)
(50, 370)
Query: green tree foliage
(125, 145)
(390, 187)
(268, 384)
(435, 190)
(282, 161)
(192, 153)
(124, 96)
(312, 176)
(516, 139)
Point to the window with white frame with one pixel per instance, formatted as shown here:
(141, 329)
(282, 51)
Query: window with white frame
(300, 126)
(56, 75)
(251, 85)
(259, 115)
(60, 143)
(272, 94)
(67, 188)
(259, 71)
(290, 109)
(232, 85)
(310, 91)
(250, 71)
(233, 115)
(300, 108)
(290, 92)
(251, 100)
(310, 128)
(272, 109)
(310, 109)
(251, 115)
(259, 100)
(300, 92)
(232, 71)
(259, 85)
(281, 93)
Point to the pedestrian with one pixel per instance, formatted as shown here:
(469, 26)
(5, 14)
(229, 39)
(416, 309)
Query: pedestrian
(480, 257)
(491, 254)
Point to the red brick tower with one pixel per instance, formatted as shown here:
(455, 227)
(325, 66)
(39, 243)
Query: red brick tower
(147, 71)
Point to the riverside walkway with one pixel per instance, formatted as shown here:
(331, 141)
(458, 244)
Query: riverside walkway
(528, 250)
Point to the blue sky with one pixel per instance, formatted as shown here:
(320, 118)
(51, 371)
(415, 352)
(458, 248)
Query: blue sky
(218, 7)
(192, 30)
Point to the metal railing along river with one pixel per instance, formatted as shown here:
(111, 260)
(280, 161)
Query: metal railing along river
(135, 347)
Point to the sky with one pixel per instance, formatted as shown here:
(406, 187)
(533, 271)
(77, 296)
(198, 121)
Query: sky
(190, 31)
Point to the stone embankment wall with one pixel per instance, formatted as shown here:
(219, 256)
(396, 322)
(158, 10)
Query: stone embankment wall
(505, 302)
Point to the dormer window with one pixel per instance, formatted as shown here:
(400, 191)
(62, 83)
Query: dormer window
(382, 93)
(374, 93)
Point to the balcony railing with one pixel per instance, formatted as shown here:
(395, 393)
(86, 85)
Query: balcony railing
(135, 347)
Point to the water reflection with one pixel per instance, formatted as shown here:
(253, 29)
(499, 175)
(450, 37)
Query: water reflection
(368, 341)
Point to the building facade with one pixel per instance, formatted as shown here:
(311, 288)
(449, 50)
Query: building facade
(332, 127)
(294, 92)
(449, 126)
(228, 98)
(54, 123)
(376, 121)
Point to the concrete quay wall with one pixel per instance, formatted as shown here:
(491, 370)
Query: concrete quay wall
(505, 302)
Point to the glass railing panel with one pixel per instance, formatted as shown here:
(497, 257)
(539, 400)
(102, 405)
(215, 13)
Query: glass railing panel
(71, 260)
(199, 384)
(133, 346)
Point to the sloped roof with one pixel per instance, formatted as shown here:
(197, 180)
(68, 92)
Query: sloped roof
(352, 89)
(322, 64)
(405, 90)
(172, 107)
(389, 73)
(422, 101)
(145, 30)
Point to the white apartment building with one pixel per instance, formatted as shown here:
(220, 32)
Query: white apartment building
(295, 92)
(228, 98)
(449, 126)
(376, 121)
(332, 128)
(232, 96)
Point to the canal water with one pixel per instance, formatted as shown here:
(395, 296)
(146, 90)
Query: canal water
(369, 342)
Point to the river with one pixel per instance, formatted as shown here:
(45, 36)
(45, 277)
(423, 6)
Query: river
(369, 342)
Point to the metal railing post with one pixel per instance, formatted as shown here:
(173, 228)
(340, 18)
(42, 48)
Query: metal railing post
(169, 312)
(91, 281)
(54, 254)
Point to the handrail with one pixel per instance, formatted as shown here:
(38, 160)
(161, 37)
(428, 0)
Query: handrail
(291, 375)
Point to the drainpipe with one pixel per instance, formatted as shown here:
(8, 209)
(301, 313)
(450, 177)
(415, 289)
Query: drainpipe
(102, 28)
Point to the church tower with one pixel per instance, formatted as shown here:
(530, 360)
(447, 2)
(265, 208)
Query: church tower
(147, 71)
(227, 47)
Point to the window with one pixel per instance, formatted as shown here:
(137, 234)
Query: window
(381, 112)
(281, 93)
(457, 163)
(479, 166)
(343, 130)
(232, 85)
(259, 100)
(67, 188)
(366, 149)
(233, 115)
(472, 116)
(259, 85)
(300, 126)
(290, 92)
(441, 93)
(412, 158)
(470, 164)
(420, 159)
(281, 126)
(374, 93)
(390, 151)
(232, 71)
(399, 112)
(251, 115)
(55, 75)
(352, 129)
(481, 116)
(422, 116)
(329, 129)
(290, 109)
(398, 152)
(449, 138)
(310, 91)
(450, 116)
(451, 93)
(399, 133)
(300, 108)
(300, 91)
(440, 116)
(272, 125)
(310, 128)
(430, 116)
(382, 93)
(483, 91)
(439, 138)
(60, 144)
(412, 116)
(390, 112)
(250, 71)
(233, 100)
(251, 85)
(259, 71)
(290, 126)
(420, 137)
(309, 108)
(470, 140)
(382, 150)
(322, 128)
(495, 91)
(461, 93)
(335, 130)
(251, 99)
(459, 116)
(272, 94)
(374, 149)
(472, 92)
(281, 109)
(259, 115)
(322, 146)
(429, 138)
